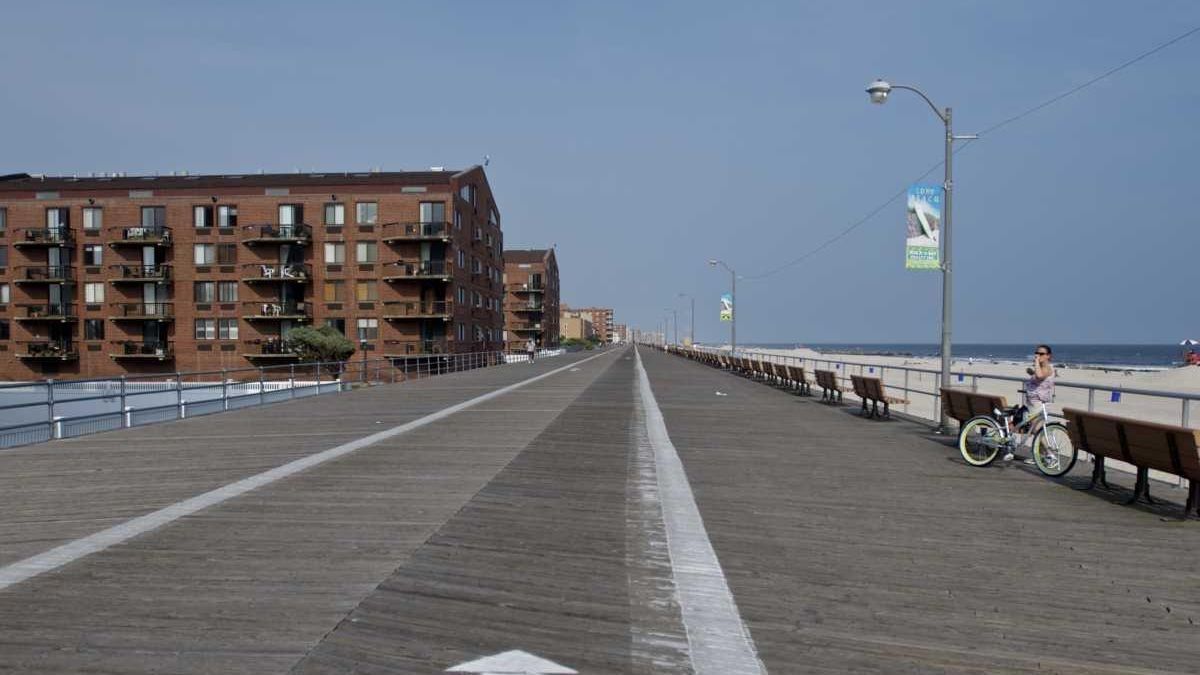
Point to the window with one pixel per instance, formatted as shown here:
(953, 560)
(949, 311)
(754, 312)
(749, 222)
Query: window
(462, 258)
(93, 218)
(462, 332)
(154, 216)
(93, 255)
(3, 256)
(337, 324)
(4, 294)
(57, 218)
(457, 219)
(366, 213)
(478, 333)
(4, 331)
(93, 329)
(367, 252)
(478, 299)
(227, 291)
(335, 214)
(335, 254)
(3, 220)
(467, 192)
(291, 214)
(203, 291)
(366, 291)
(202, 216)
(227, 329)
(226, 216)
(334, 291)
(433, 212)
(205, 254)
(226, 254)
(206, 329)
(368, 329)
(93, 293)
(462, 295)
(476, 268)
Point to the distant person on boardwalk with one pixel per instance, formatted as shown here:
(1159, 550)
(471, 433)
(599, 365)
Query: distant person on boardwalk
(1039, 388)
(531, 349)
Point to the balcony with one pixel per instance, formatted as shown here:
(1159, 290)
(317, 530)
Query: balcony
(276, 310)
(278, 234)
(142, 235)
(532, 307)
(142, 273)
(49, 236)
(394, 232)
(419, 269)
(272, 349)
(61, 312)
(396, 348)
(43, 274)
(48, 350)
(145, 351)
(526, 288)
(143, 311)
(276, 272)
(525, 327)
(413, 309)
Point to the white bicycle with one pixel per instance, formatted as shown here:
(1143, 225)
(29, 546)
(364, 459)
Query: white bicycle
(983, 437)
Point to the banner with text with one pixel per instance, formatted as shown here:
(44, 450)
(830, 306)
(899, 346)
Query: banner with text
(727, 307)
(924, 227)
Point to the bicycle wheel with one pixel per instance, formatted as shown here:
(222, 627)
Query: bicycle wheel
(1053, 451)
(980, 440)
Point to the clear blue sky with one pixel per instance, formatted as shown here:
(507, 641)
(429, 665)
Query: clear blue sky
(643, 138)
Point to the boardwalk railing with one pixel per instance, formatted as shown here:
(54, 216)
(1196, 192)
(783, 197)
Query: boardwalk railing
(35, 412)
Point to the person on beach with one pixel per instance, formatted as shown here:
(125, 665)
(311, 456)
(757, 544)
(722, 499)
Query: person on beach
(1039, 390)
(531, 349)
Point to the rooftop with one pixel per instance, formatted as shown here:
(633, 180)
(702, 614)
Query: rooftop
(23, 182)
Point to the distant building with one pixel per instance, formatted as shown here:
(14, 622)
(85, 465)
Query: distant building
(114, 275)
(576, 325)
(620, 333)
(602, 320)
(530, 298)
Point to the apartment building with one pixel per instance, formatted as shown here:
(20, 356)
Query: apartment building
(115, 275)
(575, 325)
(620, 333)
(531, 298)
(602, 321)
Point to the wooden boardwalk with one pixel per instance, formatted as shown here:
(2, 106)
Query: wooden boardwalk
(530, 521)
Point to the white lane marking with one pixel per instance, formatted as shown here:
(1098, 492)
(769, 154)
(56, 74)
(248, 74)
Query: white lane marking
(719, 641)
(513, 662)
(41, 563)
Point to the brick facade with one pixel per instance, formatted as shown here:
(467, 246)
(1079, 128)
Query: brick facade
(531, 298)
(178, 251)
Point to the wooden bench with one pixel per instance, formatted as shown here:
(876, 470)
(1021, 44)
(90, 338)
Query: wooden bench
(795, 375)
(963, 404)
(871, 389)
(831, 389)
(1145, 445)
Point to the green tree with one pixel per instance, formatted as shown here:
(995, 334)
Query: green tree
(319, 344)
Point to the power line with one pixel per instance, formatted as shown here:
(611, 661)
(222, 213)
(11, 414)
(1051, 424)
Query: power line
(1044, 104)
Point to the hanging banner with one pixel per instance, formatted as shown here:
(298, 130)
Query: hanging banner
(924, 227)
(727, 307)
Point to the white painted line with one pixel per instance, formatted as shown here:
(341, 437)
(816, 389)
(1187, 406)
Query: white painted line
(720, 643)
(31, 567)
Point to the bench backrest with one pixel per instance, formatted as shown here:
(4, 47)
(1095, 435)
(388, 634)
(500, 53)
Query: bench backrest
(874, 388)
(795, 373)
(860, 387)
(827, 379)
(1163, 447)
(963, 404)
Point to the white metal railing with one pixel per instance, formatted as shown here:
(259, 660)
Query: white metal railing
(50, 409)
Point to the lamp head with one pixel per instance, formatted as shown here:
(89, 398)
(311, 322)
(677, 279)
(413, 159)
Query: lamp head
(713, 262)
(879, 90)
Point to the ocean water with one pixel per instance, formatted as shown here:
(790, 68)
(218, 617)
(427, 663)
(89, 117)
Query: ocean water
(1079, 355)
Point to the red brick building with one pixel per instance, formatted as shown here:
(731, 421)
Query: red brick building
(602, 321)
(531, 298)
(111, 275)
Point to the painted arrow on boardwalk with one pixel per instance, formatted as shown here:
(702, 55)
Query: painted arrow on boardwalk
(514, 662)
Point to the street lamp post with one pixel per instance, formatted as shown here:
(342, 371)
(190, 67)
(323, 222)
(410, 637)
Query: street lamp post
(879, 90)
(675, 322)
(692, 318)
(733, 298)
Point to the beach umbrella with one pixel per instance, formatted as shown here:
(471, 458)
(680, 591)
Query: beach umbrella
(1189, 343)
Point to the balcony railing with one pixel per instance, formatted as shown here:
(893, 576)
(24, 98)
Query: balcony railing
(46, 236)
(298, 233)
(43, 274)
(160, 351)
(526, 306)
(527, 288)
(525, 327)
(56, 350)
(62, 311)
(276, 309)
(419, 269)
(277, 272)
(416, 231)
(139, 273)
(143, 234)
(414, 347)
(143, 311)
(415, 309)
(271, 348)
